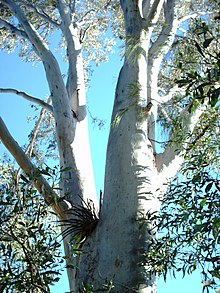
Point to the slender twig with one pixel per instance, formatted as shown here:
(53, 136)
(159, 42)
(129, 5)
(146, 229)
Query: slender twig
(29, 148)
(27, 97)
(42, 14)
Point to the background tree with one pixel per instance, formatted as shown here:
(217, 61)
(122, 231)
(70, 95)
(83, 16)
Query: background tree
(138, 172)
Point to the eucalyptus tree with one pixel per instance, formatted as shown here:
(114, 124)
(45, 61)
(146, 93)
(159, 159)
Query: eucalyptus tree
(113, 237)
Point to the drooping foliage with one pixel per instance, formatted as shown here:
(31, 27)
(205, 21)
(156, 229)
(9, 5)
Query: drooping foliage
(29, 247)
(189, 222)
(92, 18)
(192, 64)
(188, 227)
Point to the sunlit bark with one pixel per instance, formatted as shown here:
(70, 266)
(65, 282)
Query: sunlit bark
(136, 176)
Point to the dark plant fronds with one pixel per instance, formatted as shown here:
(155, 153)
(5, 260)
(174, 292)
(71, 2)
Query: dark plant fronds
(83, 220)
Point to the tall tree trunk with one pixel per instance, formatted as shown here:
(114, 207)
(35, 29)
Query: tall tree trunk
(116, 250)
(121, 237)
(130, 176)
(129, 193)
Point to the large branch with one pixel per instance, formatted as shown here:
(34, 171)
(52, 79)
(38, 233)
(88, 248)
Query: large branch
(75, 81)
(170, 94)
(13, 29)
(165, 39)
(170, 161)
(152, 14)
(176, 149)
(73, 45)
(51, 66)
(62, 112)
(33, 36)
(167, 34)
(28, 97)
(50, 196)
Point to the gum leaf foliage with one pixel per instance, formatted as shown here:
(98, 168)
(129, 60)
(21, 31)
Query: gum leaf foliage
(189, 221)
(189, 226)
(193, 64)
(93, 18)
(30, 251)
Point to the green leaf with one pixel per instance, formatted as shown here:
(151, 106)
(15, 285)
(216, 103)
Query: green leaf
(45, 172)
(183, 82)
(24, 178)
(203, 202)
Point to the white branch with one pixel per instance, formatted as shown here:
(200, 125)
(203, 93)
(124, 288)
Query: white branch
(193, 15)
(28, 97)
(166, 37)
(75, 81)
(170, 161)
(64, 12)
(53, 73)
(175, 149)
(50, 196)
(174, 90)
(153, 14)
(33, 36)
(145, 7)
(70, 34)
(42, 14)
(13, 29)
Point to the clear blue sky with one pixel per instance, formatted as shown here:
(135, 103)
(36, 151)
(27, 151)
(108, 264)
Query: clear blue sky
(14, 110)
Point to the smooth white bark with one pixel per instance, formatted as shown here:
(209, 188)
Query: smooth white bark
(135, 181)
(136, 176)
(24, 162)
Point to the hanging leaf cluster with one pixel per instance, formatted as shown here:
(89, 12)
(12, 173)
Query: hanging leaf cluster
(30, 252)
(189, 229)
(193, 64)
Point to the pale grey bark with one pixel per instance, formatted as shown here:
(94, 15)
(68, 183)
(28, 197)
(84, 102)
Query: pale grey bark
(130, 176)
(135, 176)
(28, 97)
(72, 136)
(31, 171)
